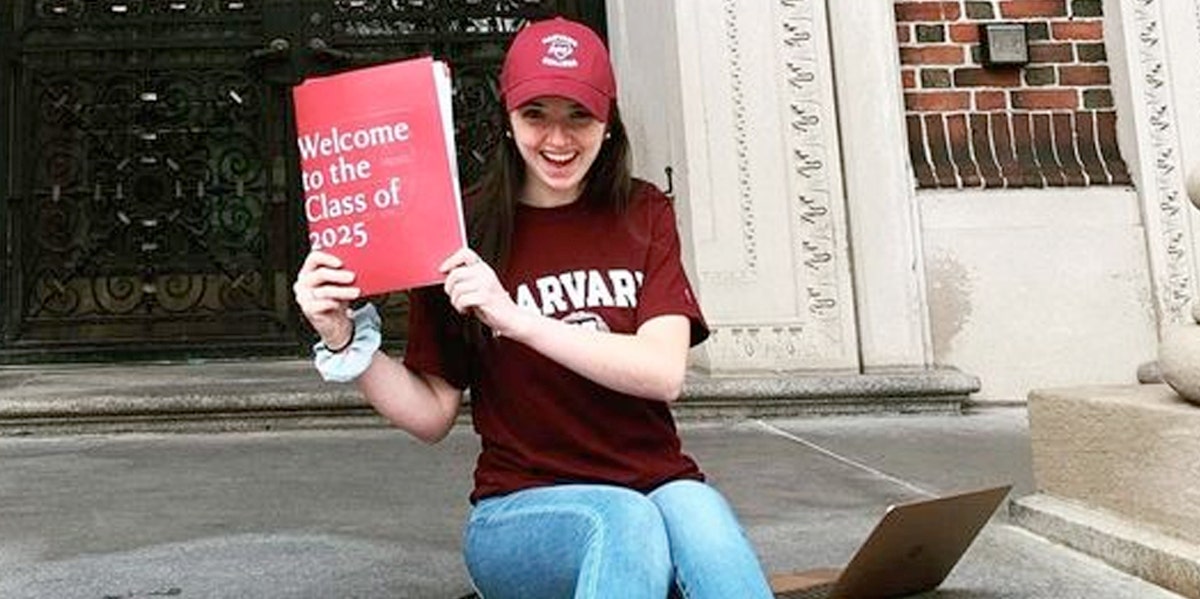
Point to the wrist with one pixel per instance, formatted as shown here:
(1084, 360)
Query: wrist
(348, 362)
(342, 337)
(520, 326)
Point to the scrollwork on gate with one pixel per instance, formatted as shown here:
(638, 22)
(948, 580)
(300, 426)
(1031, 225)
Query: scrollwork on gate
(153, 158)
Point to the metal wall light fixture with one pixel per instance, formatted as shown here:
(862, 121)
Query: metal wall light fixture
(1004, 44)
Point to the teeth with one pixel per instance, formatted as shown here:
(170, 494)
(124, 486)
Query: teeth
(560, 158)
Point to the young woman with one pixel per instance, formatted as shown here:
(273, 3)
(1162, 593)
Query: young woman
(570, 323)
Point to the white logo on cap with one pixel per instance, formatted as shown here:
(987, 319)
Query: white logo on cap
(560, 50)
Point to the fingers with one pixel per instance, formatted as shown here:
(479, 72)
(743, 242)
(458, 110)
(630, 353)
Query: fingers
(465, 272)
(471, 285)
(320, 268)
(329, 293)
(463, 257)
(324, 302)
(326, 283)
(468, 297)
(322, 285)
(473, 288)
(459, 283)
(316, 260)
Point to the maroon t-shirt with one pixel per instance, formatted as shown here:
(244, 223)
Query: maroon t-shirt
(539, 422)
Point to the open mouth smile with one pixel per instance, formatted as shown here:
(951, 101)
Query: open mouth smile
(559, 159)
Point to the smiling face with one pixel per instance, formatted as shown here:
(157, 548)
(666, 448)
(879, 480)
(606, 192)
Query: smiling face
(559, 140)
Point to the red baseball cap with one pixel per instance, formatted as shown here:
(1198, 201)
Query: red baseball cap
(558, 57)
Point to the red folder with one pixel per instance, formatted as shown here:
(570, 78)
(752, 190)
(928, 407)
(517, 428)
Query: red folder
(380, 178)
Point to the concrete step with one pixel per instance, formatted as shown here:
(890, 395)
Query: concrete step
(266, 394)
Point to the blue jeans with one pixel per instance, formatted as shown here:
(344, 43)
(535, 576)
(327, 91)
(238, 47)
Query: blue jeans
(599, 541)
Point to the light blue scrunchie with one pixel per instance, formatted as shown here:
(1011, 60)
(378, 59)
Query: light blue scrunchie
(348, 364)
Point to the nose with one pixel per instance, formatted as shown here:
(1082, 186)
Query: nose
(556, 133)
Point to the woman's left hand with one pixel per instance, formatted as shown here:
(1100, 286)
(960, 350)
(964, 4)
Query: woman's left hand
(473, 288)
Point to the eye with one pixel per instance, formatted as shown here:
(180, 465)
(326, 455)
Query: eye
(533, 113)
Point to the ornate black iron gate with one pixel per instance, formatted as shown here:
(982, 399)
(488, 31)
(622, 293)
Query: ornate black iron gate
(148, 162)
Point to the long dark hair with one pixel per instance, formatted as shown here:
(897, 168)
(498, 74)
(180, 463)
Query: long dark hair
(493, 201)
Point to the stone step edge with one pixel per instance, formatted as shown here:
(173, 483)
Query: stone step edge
(237, 407)
(1136, 549)
(940, 386)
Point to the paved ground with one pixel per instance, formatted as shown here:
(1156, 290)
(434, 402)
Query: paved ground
(371, 513)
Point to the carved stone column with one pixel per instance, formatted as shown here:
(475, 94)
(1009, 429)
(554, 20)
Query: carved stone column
(1146, 91)
(761, 175)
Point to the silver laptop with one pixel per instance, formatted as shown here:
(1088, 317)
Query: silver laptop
(911, 550)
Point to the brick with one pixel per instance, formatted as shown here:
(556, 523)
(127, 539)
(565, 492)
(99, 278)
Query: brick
(909, 12)
(974, 77)
(939, 152)
(1083, 75)
(1003, 145)
(1064, 149)
(903, 33)
(1043, 150)
(1087, 8)
(981, 149)
(908, 77)
(1106, 131)
(960, 150)
(939, 101)
(1041, 76)
(1091, 52)
(1045, 99)
(1026, 9)
(1078, 30)
(1085, 146)
(931, 34)
(1097, 98)
(935, 78)
(1028, 173)
(980, 11)
(1051, 53)
(1038, 32)
(927, 55)
(922, 167)
(964, 33)
(987, 101)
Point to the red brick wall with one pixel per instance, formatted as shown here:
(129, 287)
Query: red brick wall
(1048, 123)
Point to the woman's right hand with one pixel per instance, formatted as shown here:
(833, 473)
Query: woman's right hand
(323, 291)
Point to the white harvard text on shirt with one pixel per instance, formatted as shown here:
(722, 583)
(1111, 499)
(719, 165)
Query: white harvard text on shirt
(580, 289)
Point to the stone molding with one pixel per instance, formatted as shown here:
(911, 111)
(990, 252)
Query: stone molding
(1196, 17)
(1167, 203)
(786, 309)
(740, 135)
(814, 173)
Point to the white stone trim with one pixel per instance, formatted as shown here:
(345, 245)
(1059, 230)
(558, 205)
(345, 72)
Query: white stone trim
(1148, 106)
(737, 92)
(884, 222)
(814, 185)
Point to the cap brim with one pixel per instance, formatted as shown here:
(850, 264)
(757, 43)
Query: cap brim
(595, 101)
